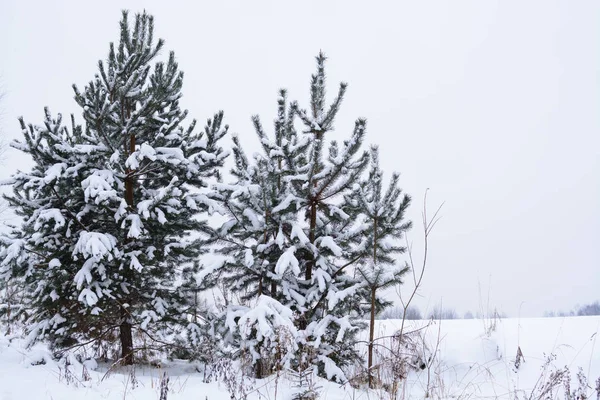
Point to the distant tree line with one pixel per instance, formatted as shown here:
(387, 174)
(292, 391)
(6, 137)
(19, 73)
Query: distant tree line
(579, 311)
(438, 312)
(397, 312)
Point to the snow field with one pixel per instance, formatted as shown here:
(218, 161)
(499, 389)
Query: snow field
(467, 364)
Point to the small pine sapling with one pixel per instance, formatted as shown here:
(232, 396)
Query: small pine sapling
(382, 216)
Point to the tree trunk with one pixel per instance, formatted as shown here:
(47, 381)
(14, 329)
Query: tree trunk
(371, 338)
(309, 265)
(126, 342)
(125, 333)
(258, 369)
(312, 237)
(274, 289)
(129, 179)
(372, 323)
(374, 242)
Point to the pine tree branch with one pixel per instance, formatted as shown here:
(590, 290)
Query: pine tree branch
(69, 211)
(106, 139)
(95, 339)
(140, 172)
(326, 292)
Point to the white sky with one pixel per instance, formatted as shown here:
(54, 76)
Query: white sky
(493, 105)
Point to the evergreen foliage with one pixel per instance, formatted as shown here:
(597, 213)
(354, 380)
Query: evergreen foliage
(291, 239)
(112, 233)
(252, 239)
(330, 303)
(110, 206)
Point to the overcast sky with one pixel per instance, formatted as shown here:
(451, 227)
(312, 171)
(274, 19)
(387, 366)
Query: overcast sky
(492, 105)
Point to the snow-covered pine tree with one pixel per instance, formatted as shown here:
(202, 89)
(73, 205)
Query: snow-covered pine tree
(252, 237)
(249, 235)
(328, 299)
(110, 208)
(290, 243)
(382, 216)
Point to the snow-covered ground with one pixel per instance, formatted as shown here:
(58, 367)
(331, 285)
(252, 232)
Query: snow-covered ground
(467, 364)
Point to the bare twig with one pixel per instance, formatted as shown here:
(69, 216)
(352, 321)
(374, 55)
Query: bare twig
(428, 225)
